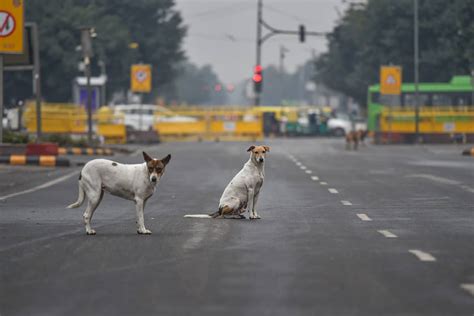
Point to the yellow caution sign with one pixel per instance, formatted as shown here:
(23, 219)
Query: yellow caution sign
(11, 26)
(140, 78)
(390, 80)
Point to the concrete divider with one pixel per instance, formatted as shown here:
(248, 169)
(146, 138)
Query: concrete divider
(85, 151)
(42, 160)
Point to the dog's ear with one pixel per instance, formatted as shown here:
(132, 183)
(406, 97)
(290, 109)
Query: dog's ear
(146, 157)
(166, 160)
(267, 148)
(251, 148)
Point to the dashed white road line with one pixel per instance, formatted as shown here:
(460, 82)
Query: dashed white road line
(422, 256)
(333, 191)
(387, 233)
(309, 171)
(298, 163)
(314, 178)
(323, 183)
(346, 202)
(468, 287)
(303, 167)
(364, 217)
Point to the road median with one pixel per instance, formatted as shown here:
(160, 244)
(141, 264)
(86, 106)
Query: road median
(41, 160)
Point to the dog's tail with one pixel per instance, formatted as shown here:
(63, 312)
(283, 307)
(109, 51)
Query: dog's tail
(215, 214)
(80, 198)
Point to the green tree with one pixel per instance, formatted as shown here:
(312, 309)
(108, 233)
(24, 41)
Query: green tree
(381, 33)
(154, 24)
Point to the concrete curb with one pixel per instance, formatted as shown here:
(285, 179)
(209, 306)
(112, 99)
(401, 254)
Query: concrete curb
(42, 160)
(468, 152)
(85, 151)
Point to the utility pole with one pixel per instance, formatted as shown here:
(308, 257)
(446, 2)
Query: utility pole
(86, 40)
(283, 50)
(273, 31)
(259, 45)
(416, 64)
(36, 79)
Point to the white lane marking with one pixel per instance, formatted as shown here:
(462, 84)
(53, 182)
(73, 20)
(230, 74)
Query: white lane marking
(323, 183)
(303, 167)
(364, 217)
(346, 202)
(468, 287)
(42, 186)
(333, 191)
(197, 216)
(442, 180)
(309, 171)
(387, 233)
(433, 178)
(314, 178)
(421, 255)
(298, 163)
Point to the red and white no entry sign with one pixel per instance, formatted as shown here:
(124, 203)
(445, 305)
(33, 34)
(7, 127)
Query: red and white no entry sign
(7, 24)
(141, 75)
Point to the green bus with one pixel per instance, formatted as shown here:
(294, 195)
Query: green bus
(457, 92)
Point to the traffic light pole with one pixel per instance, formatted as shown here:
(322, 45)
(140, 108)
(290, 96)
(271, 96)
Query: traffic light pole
(259, 46)
(273, 31)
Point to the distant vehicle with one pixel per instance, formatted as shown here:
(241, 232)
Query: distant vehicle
(341, 124)
(138, 116)
(141, 117)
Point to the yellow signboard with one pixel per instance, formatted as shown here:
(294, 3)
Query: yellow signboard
(11, 26)
(390, 80)
(140, 78)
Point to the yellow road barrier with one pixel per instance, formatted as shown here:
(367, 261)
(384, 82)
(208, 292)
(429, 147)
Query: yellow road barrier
(431, 120)
(223, 124)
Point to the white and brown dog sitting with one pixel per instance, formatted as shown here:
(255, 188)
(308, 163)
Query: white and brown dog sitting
(243, 190)
(135, 182)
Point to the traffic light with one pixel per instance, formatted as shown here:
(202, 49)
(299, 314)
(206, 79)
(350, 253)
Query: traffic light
(257, 78)
(302, 33)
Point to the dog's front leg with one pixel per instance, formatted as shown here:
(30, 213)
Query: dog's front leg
(251, 203)
(139, 206)
(255, 200)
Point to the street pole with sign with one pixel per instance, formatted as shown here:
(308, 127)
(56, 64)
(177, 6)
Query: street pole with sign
(390, 85)
(87, 53)
(140, 81)
(11, 39)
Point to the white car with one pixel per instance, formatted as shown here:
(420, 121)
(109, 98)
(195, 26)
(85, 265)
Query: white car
(140, 117)
(341, 124)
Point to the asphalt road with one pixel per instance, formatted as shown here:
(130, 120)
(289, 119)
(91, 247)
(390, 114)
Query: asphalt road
(387, 230)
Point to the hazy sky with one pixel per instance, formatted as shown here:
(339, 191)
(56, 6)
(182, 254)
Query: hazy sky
(223, 32)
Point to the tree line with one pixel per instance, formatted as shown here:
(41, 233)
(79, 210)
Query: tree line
(380, 32)
(155, 26)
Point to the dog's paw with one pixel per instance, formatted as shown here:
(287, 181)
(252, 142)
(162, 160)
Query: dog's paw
(144, 231)
(91, 232)
(254, 216)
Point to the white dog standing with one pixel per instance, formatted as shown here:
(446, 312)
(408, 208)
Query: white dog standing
(135, 182)
(242, 192)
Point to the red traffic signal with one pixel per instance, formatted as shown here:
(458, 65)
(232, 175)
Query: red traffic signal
(257, 74)
(257, 78)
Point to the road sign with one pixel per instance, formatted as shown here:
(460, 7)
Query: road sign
(11, 26)
(390, 80)
(141, 78)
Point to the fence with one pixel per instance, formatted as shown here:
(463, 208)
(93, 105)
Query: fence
(220, 124)
(63, 118)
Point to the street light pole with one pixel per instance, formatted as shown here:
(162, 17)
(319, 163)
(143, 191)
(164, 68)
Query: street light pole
(259, 44)
(274, 31)
(86, 42)
(416, 74)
